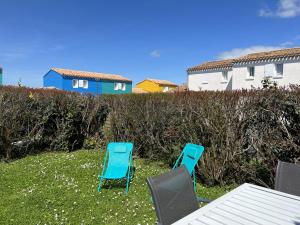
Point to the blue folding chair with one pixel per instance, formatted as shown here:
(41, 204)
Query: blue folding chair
(117, 163)
(189, 157)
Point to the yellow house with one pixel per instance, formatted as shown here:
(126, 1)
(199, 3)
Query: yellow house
(151, 85)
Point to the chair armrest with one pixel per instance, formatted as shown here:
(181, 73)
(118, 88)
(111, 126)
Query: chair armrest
(205, 200)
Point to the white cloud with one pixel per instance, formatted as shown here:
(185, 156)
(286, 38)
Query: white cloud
(285, 9)
(287, 44)
(155, 53)
(237, 52)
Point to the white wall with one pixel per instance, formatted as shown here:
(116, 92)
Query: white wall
(208, 81)
(291, 75)
(239, 78)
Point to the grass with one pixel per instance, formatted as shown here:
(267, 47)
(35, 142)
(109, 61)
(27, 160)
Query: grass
(61, 188)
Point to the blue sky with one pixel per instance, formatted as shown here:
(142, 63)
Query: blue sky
(137, 38)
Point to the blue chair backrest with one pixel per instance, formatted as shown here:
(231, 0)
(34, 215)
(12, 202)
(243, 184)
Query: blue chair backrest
(191, 155)
(119, 153)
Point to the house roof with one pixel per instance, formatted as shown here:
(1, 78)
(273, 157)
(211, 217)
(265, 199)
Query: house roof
(137, 90)
(212, 65)
(85, 74)
(228, 63)
(283, 53)
(161, 82)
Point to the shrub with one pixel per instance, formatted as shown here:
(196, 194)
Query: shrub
(244, 132)
(34, 120)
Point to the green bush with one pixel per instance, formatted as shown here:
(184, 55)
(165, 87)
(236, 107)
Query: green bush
(244, 132)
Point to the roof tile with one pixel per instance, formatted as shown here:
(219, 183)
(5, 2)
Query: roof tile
(283, 53)
(85, 74)
(162, 82)
(212, 65)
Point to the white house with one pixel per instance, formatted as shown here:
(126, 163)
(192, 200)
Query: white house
(281, 66)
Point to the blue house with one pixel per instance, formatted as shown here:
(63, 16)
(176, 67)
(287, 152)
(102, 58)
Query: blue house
(87, 82)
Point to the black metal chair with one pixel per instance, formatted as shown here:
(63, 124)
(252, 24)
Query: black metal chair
(173, 195)
(288, 178)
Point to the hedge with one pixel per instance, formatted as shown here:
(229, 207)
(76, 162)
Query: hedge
(35, 120)
(244, 133)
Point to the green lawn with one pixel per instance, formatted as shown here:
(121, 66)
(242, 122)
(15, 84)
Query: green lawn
(61, 188)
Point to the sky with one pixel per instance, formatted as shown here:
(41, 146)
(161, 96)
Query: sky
(138, 39)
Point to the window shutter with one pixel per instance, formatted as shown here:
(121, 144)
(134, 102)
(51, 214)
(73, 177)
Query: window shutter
(269, 70)
(75, 83)
(81, 83)
(85, 84)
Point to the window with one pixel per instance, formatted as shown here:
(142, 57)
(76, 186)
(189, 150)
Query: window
(225, 75)
(120, 86)
(251, 71)
(116, 86)
(123, 86)
(83, 84)
(279, 70)
(166, 89)
(75, 83)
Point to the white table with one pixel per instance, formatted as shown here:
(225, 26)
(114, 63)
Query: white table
(248, 204)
